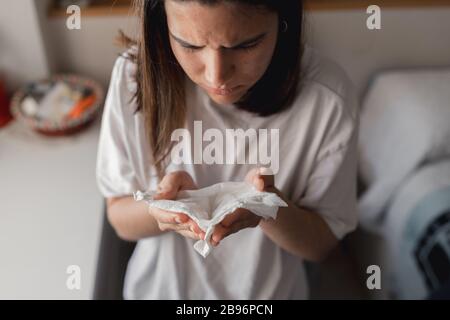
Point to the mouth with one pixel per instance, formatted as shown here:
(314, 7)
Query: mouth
(223, 92)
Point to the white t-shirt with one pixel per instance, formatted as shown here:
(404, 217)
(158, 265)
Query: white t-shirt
(317, 170)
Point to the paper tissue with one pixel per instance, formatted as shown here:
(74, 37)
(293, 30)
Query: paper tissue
(210, 205)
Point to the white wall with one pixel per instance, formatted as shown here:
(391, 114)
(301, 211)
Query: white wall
(408, 38)
(23, 55)
(42, 12)
(90, 51)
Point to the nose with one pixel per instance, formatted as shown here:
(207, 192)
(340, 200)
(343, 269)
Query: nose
(219, 68)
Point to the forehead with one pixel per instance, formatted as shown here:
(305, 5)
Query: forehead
(225, 21)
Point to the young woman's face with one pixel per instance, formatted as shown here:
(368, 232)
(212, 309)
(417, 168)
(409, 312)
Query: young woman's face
(225, 48)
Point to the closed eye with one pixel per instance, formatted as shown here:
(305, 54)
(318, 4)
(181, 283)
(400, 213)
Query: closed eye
(189, 47)
(246, 47)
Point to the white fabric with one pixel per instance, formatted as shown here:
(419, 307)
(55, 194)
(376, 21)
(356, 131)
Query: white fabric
(317, 143)
(210, 205)
(404, 123)
(402, 228)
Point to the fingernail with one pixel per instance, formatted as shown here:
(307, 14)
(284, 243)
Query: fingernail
(265, 171)
(177, 219)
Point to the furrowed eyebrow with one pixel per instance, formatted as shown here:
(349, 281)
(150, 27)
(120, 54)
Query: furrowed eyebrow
(244, 43)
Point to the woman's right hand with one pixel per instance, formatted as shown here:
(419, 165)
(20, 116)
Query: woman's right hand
(168, 188)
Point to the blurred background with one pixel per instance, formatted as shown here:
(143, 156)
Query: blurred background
(52, 215)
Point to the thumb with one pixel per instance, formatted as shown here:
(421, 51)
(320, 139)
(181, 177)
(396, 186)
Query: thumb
(263, 179)
(167, 190)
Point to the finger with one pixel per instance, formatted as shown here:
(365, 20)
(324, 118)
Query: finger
(164, 216)
(258, 183)
(267, 177)
(195, 227)
(218, 234)
(163, 195)
(188, 226)
(167, 188)
(251, 174)
(261, 178)
(181, 218)
(189, 234)
(175, 227)
(187, 183)
(238, 214)
(192, 225)
(264, 171)
(174, 182)
(221, 232)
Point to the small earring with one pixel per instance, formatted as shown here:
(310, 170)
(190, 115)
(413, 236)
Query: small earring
(284, 26)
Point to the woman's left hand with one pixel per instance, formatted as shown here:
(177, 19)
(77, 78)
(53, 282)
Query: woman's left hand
(243, 218)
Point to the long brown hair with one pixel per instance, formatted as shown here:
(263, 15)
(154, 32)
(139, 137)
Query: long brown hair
(160, 93)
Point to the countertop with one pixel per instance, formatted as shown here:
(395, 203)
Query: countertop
(50, 213)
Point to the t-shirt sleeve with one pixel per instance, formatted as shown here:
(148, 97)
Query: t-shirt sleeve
(114, 169)
(331, 186)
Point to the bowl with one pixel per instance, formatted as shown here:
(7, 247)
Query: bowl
(66, 125)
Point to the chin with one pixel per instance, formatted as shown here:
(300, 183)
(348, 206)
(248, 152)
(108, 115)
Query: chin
(222, 100)
(228, 99)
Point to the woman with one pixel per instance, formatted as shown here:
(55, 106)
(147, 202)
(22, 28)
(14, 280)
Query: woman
(229, 65)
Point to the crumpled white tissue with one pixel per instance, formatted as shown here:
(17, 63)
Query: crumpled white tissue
(210, 205)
